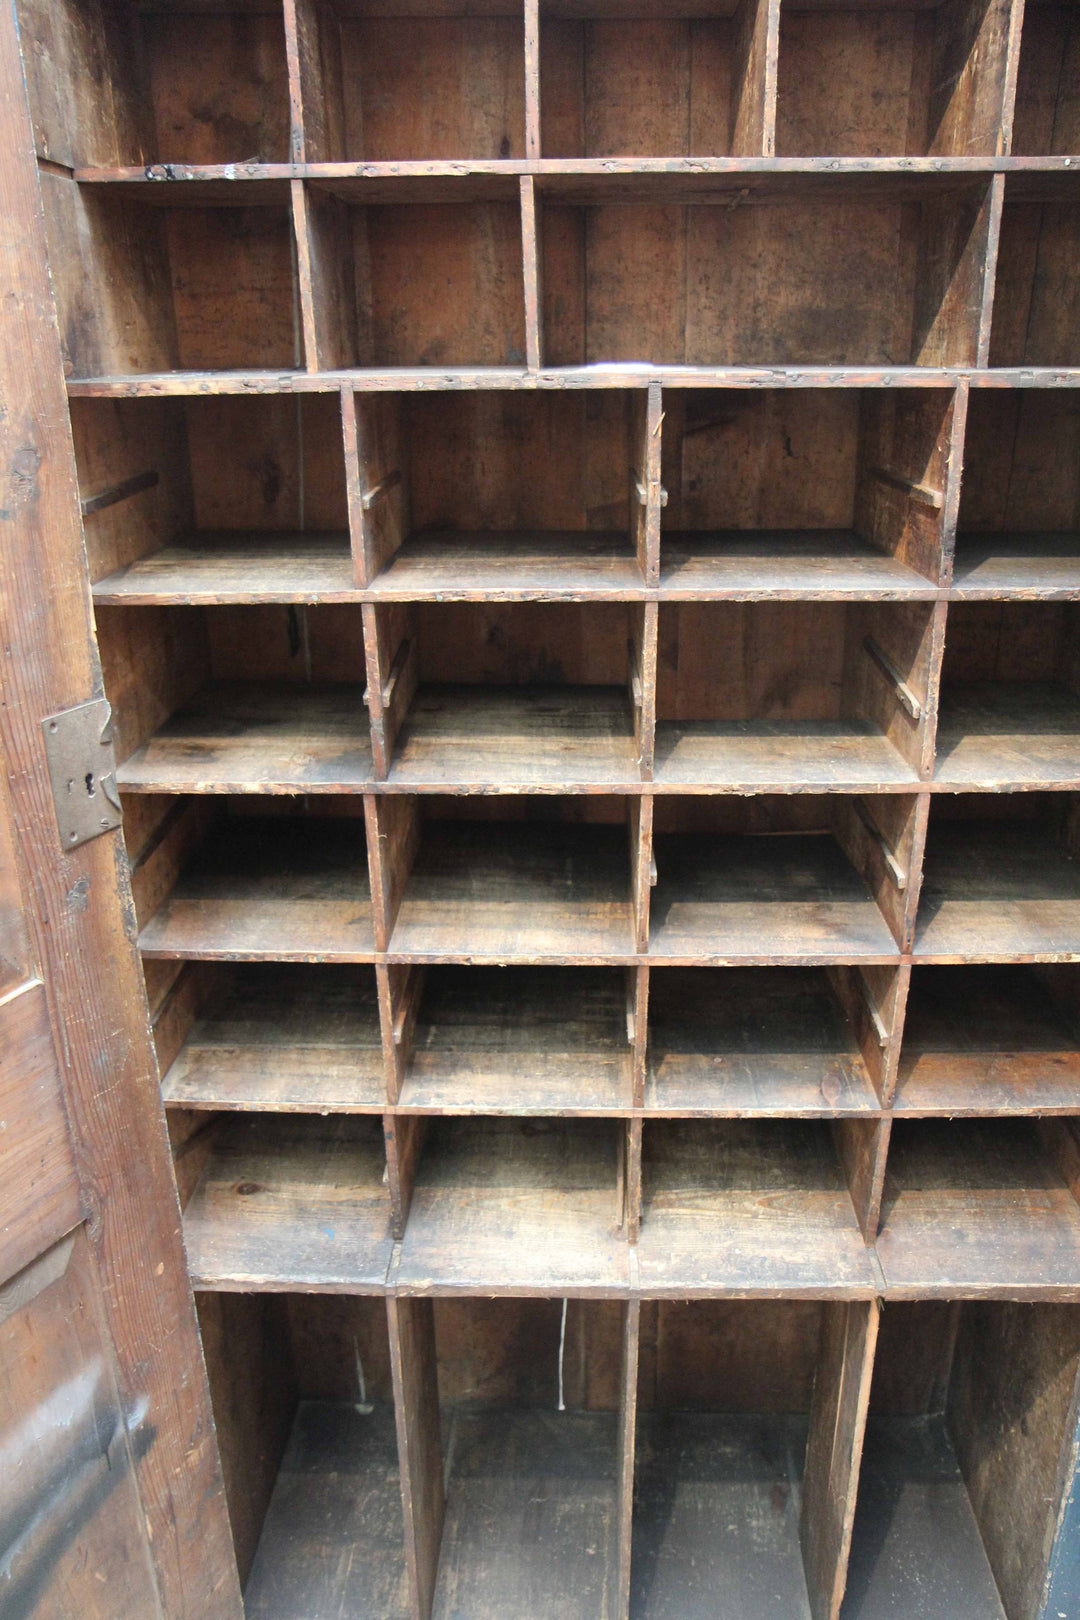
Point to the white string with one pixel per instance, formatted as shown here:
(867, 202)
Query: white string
(562, 1351)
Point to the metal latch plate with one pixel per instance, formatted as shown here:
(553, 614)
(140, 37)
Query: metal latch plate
(82, 770)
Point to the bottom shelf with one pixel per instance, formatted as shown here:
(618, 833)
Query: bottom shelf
(331, 1543)
(916, 1549)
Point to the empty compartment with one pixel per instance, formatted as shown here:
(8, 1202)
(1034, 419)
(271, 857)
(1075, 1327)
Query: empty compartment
(726, 269)
(1047, 117)
(990, 1040)
(1009, 710)
(1036, 318)
(139, 85)
(760, 1041)
(498, 880)
(224, 499)
(791, 493)
(304, 1410)
(516, 1041)
(968, 1462)
(800, 696)
(755, 1207)
(146, 284)
(1020, 496)
(248, 881)
(506, 1205)
(274, 1039)
(1000, 879)
(687, 84)
(551, 508)
(795, 879)
(533, 696)
(746, 1456)
(976, 1206)
(905, 79)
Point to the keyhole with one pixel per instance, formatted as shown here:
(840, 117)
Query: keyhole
(90, 784)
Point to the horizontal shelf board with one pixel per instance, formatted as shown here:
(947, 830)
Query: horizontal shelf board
(985, 1040)
(291, 1204)
(709, 186)
(528, 738)
(270, 889)
(781, 564)
(916, 1548)
(716, 1517)
(976, 1207)
(280, 1039)
(522, 1040)
(994, 734)
(531, 1522)
(751, 1041)
(778, 756)
(259, 737)
(1025, 565)
(996, 891)
(206, 567)
(511, 567)
(745, 1207)
(527, 891)
(332, 1542)
(505, 1206)
(790, 898)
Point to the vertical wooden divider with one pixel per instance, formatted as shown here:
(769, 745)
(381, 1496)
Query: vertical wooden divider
(627, 1441)
(392, 822)
(392, 663)
(354, 487)
(954, 473)
(757, 46)
(834, 1448)
(862, 1146)
(647, 494)
(642, 867)
(534, 295)
(324, 268)
(316, 101)
(989, 276)
(532, 78)
(1012, 69)
(414, 1366)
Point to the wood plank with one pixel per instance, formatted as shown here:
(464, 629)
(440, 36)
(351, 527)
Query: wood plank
(280, 1040)
(208, 568)
(783, 565)
(506, 1206)
(533, 891)
(293, 1204)
(548, 1041)
(747, 1208)
(733, 898)
(1001, 734)
(974, 1209)
(275, 890)
(331, 1541)
(751, 1041)
(1016, 565)
(511, 567)
(993, 892)
(778, 756)
(414, 1365)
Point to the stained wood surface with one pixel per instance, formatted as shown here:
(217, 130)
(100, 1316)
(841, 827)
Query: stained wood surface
(753, 1041)
(994, 734)
(997, 891)
(1022, 565)
(745, 1207)
(294, 1039)
(295, 1204)
(270, 890)
(494, 567)
(208, 568)
(775, 756)
(776, 564)
(985, 1040)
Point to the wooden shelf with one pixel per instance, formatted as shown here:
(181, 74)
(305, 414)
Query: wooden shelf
(916, 1548)
(510, 1207)
(717, 1517)
(517, 891)
(296, 1203)
(996, 892)
(516, 739)
(531, 1515)
(784, 565)
(778, 756)
(977, 1208)
(284, 889)
(575, 566)
(751, 1041)
(986, 1040)
(259, 737)
(1021, 565)
(747, 1208)
(731, 898)
(332, 1541)
(996, 734)
(281, 1039)
(520, 1041)
(203, 569)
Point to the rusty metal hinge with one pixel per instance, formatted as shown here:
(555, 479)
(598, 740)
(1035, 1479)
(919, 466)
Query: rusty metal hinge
(82, 770)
